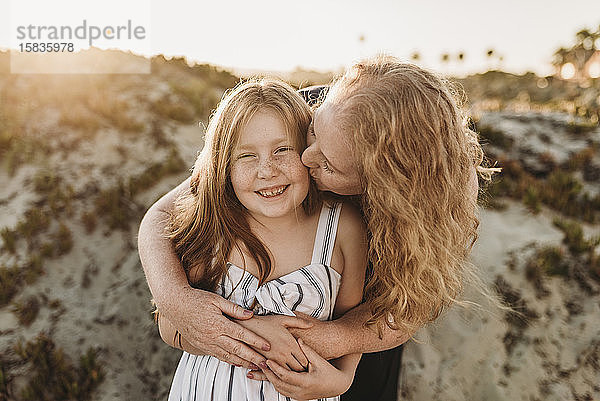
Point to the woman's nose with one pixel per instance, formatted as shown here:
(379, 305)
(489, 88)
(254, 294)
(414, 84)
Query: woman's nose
(309, 156)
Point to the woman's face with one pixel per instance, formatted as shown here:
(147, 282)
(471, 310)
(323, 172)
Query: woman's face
(329, 155)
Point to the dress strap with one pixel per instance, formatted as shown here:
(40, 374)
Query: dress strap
(326, 232)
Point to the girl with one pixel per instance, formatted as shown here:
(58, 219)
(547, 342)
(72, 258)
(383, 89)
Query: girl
(252, 230)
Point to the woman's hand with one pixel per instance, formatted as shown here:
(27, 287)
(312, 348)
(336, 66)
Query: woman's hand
(322, 379)
(210, 332)
(284, 348)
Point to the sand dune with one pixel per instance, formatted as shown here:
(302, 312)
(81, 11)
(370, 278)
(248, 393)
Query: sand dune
(91, 293)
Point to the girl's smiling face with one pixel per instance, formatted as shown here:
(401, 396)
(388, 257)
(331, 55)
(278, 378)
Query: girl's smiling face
(267, 174)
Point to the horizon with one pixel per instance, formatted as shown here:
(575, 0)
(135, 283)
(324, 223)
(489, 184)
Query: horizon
(233, 36)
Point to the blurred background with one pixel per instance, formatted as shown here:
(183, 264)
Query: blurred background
(82, 157)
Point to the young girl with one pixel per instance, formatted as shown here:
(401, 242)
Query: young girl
(251, 229)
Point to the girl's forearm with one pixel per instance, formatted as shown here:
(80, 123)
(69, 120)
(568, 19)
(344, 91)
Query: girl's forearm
(347, 363)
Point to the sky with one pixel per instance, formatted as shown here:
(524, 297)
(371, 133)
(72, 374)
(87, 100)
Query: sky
(329, 34)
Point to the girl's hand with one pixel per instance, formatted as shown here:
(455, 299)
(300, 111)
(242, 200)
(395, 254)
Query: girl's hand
(284, 348)
(321, 381)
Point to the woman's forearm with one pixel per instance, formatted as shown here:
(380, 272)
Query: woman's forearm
(164, 272)
(349, 335)
(171, 336)
(361, 338)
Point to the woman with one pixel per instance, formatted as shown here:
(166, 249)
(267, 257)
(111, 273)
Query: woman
(392, 135)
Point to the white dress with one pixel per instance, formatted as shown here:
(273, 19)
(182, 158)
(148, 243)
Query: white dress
(311, 289)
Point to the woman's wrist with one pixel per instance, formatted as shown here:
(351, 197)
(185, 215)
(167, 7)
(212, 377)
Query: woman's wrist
(176, 303)
(327, 338)
(341, 339)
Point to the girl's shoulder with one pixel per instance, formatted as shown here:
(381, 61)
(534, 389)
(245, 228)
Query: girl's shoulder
(351, 226)
(352, 242)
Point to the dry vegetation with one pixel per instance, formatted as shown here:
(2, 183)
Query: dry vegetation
(45, 119)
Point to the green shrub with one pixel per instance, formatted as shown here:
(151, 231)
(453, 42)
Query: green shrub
(45, 181)
(9, 238)
(573, 238)
(531, 200)
(114, 206)
(23, 149)
(10, 284)
(561, 191)
(53, 376)
(60, 199)
(154, 173)
(36, 221)
(27, 311)
(548, 260)
(63, 240)
(47, 250)
(33, 269)
(89, 221)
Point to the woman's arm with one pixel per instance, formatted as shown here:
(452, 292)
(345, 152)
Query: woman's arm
(171, 336)
(349, 334)
(199, 315)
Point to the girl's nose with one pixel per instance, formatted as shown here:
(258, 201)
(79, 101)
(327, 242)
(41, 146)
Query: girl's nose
(266, 169)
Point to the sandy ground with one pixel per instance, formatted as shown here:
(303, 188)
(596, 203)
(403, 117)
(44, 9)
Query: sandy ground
(464, 355)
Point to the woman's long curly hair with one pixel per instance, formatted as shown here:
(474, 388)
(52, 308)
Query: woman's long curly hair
(416, 158)
(209, 220)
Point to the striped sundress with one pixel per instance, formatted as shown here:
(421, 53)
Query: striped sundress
(311, 289)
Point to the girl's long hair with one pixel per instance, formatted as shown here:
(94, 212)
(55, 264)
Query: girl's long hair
(209, 220)
(416, 157)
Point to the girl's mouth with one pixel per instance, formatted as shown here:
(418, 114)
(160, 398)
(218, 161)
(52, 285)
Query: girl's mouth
(273, 192)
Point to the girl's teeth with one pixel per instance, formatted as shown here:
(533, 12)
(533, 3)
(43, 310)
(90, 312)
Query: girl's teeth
(272, 193)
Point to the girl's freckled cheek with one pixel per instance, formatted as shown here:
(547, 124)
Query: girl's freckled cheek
(292, 166)
(241, 176)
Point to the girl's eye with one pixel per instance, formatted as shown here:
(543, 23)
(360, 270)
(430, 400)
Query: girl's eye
(245, 156)
(284, 149)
